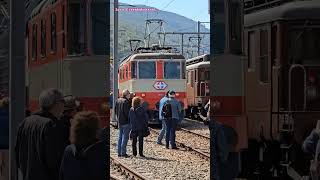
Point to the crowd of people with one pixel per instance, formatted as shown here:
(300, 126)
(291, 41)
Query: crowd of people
(61, 141)
(132, 117)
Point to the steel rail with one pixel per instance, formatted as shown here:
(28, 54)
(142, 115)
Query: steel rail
(129, 172)
(195, 151)
(196, 134)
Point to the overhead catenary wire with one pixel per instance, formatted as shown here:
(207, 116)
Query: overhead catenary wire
(157, 13)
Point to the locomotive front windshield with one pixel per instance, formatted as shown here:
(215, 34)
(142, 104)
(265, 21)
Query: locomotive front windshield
(172, 70)
(147, 70)
(303, 46)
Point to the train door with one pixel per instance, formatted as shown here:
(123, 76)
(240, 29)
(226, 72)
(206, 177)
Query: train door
(297, 88)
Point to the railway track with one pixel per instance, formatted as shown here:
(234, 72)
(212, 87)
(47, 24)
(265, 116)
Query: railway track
(196, 134)
(197, 152)
(126, 171)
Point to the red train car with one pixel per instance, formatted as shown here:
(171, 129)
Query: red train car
(67, 50)
(198, 83)
(150, 73)
(270, 97)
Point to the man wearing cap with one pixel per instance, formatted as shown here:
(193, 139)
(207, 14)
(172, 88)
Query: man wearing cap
(40, 143)
(161, 118)
(172, 122)
(71, 107)
(122, 108)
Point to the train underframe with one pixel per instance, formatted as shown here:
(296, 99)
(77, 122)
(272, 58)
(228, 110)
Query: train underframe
(194, 111)
(280, 158)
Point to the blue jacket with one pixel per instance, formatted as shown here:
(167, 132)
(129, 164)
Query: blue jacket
(176, 108)
(310, 143)
(138, 119)
(4, 128)
(161, 103)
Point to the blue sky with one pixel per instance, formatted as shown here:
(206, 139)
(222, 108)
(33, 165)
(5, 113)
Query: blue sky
(196, 10)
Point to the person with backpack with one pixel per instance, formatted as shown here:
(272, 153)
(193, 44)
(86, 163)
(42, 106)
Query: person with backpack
(171, 112)
(162, 119)
(138, 118)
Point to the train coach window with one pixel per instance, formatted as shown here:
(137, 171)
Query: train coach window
(264, 56)
(274, 44)
(303, 46)
(127, 75)
(34, 42)
(76, 27)
(133, 70)
(172, 70)
(201, 75)
(53, 32)
(207, 75)
(147, 70)
(43, 38)
(251, 51)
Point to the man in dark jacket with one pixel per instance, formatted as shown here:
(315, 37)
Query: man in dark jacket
(122, 108)
(40, 143)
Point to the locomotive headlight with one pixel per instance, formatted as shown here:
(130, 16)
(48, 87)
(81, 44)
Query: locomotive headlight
(143, 95)
(177, 94)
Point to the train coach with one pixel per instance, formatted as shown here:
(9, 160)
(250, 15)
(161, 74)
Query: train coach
(198, 83)
(270, 98)
(150, 73)
(67, 50)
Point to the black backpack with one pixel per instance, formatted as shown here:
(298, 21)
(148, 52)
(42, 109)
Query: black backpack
(166, 110)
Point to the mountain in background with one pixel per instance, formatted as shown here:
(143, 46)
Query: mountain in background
(132, 26)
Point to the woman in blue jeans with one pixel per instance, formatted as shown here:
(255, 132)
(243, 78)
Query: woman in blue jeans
(138, 118)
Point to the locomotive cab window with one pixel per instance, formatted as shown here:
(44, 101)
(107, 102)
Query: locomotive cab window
(172, 70)
(147, 70)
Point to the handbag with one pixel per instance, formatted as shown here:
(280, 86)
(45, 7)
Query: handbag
(315, 164)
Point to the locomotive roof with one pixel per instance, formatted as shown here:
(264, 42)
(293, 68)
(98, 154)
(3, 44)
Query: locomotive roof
(197, 57)
(153, 56)
(203, 64)
(40, 6)
(289, 11)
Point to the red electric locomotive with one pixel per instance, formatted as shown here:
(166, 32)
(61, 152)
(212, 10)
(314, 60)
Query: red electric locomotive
(150, 73)
(67, 50)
